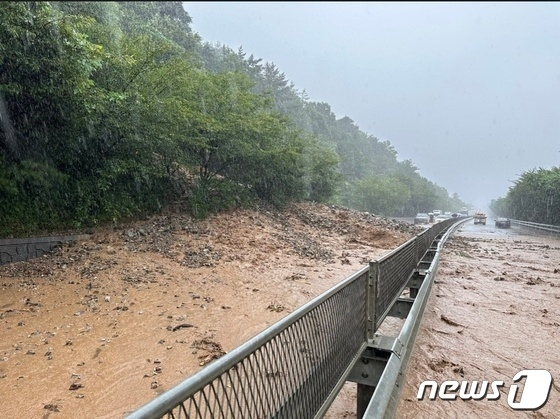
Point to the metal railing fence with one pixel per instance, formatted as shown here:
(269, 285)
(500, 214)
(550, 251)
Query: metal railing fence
(392, 272)
(287, 371)
(295, 368)
(424, 241)
(385, 400)
(543, 228)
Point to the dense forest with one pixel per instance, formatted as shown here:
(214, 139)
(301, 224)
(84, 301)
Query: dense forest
(534, 197)
(110, 110)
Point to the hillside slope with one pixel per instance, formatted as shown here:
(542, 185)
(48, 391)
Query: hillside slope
(103, 326)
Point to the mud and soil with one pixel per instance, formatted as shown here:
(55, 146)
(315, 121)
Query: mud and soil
(494, 310)
(101, 327)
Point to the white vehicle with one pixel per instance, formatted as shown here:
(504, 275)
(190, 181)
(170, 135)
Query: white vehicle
(480, 218)
(437, 212)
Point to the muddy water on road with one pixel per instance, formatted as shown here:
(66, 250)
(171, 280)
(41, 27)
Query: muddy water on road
(494, 310)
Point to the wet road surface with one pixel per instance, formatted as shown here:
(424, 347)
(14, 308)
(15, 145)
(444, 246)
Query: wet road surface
(494, 310)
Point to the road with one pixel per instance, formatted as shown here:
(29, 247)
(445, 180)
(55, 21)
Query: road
(493, 311)
(488, 230)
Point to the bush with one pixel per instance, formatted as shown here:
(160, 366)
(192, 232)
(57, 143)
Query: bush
(210, 196)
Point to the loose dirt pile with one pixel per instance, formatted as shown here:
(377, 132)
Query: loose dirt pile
(494, 311)
(101, 327)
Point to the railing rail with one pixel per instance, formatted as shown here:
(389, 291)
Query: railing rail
(296, 367)
(385, 399)
(545, 228)
(286, 371)
(394, 270)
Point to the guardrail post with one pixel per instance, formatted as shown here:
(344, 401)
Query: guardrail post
(416, 282)
(371, 293)
(413, 289)
(365, 394)
(365, 391)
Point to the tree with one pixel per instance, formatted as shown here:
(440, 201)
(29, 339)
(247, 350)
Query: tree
(381, 194)
(533, 197)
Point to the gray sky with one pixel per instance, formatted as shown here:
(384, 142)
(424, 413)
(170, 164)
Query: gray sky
(468, 91)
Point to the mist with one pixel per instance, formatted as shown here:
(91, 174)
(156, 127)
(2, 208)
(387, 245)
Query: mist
(467, 91)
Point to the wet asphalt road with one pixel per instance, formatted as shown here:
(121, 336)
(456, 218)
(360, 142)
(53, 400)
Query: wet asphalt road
(487, 230)
(470, 228)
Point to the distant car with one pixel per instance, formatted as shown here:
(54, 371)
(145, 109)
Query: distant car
(480, 218)
(422, 218)
(503, 223)
(442, 217)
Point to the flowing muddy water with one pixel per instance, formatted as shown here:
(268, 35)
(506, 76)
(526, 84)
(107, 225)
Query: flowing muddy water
(494, 310)
(101, 327)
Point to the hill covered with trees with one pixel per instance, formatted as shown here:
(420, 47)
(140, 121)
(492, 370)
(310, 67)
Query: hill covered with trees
(533, 197)
(110, 110)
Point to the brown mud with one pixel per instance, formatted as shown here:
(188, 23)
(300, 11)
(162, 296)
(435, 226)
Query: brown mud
(494, 310)
(103, 326)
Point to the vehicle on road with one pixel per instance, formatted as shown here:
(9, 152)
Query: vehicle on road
(422, 218)
(442, 217)
(503, 222)
(480, 218)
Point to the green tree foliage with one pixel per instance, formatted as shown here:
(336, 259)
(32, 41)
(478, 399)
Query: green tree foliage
(381, 194)
(161, 20)
(111, 109)
(45, 81)
(534, 197)
(108, 110)
(45, 69)
(500, 206)
(360, 155)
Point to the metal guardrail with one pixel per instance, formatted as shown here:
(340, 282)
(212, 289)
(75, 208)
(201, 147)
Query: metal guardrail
(544, 228)
(393, 271)
(389, 275)
(296, 367)
(287, 371)
(385, 399)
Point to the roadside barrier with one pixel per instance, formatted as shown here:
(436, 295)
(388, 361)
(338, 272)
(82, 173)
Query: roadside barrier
(296, 367)
(15, 250)
(548, 229)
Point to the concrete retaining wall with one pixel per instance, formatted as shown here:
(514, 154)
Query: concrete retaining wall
(14, 250)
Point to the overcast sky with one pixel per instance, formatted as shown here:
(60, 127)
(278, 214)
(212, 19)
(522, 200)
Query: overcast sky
(470, 92)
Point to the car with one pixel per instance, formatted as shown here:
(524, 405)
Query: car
(422, 218)
(442, 217)
(503, 222)
(480, 217)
